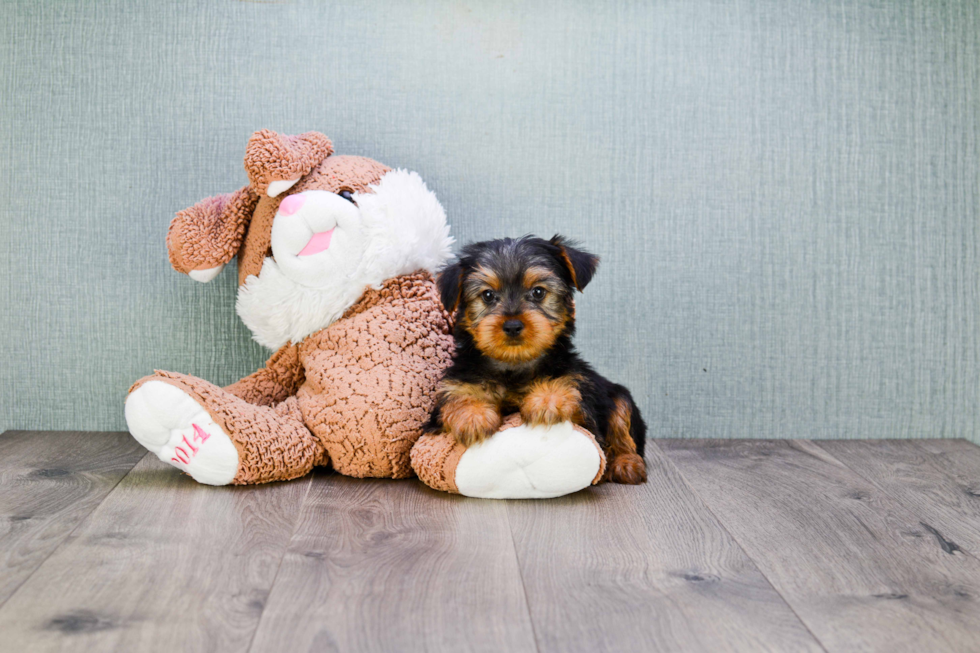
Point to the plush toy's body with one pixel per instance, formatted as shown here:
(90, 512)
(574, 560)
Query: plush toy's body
(336, 257)
(353, 395)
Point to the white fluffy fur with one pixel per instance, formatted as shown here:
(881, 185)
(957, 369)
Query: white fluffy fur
(405, 230)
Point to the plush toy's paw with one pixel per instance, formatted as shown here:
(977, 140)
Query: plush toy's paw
(530, 462)
(167, 421)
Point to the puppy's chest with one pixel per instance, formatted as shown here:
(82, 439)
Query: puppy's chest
(512, 401)
(507, 393)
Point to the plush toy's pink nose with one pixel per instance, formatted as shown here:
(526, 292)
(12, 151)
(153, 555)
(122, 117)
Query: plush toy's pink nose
(291, 204)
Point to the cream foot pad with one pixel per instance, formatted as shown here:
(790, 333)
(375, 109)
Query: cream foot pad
(167, 421)
(517, 462)
(526, 462)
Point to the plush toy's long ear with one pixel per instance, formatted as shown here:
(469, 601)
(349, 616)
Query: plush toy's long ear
(274, 162)
(581, 265)
(450, 284)
(204, 237)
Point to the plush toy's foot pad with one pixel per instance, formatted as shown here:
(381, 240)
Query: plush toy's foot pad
(525, 462)
(167, 421)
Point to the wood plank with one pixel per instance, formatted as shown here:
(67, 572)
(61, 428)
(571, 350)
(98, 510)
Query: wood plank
(380, 565)
(645, 568)
(163, 564)
(938, 480)
(861, 570)
(49, 482)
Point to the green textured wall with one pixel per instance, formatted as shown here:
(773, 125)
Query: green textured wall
(786, 195)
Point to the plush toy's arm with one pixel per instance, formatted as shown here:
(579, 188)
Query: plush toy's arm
(281, 377)
(203, 238)
(517, 462)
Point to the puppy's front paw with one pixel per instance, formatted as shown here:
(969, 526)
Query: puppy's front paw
(628, 468)
(471, 421)
(551, 401)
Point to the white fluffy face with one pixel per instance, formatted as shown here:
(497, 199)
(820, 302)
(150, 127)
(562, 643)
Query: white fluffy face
(327, 250)
(317, 238)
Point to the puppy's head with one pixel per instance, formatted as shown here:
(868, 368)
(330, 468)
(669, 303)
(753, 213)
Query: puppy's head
(515, 297)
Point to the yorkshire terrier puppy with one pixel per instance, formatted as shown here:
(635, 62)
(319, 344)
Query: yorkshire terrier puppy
(515, 318)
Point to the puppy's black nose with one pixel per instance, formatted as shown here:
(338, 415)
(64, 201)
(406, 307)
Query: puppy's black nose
(513, 327)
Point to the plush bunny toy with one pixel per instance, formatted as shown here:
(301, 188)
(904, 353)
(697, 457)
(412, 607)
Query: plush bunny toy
(335, 262)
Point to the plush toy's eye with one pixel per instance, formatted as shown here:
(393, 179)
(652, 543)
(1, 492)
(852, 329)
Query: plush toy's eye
(347, 195)
(488, 296)
(537, 294)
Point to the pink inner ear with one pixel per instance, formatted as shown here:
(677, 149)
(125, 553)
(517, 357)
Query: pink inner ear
(292, 204)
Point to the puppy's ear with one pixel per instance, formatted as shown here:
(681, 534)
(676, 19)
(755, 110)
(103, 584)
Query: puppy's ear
(580, 264)
(209, 234)
(450, 285)
(274, 162)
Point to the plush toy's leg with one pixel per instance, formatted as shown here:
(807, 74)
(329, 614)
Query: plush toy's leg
(216, 437)
(517, 462)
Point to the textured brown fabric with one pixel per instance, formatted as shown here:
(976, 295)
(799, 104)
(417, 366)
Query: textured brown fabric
(343, 172)
(434, 459)
(366, 385)
(371, 376)
(334, 174)
(258, 242)
(276, 157)
(272, 443)
(436, 455)
(281, 377)
(210, 233)
(216, 229)
(602, 456)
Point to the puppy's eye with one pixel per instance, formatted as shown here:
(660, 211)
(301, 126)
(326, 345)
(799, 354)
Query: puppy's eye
(537, 294)
(347, 195)
(488, 296)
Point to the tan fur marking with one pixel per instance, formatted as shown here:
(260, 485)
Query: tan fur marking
(551, 401)
(625, 465)
(486, 276)
(470, 412)
(536, 276)
(539, 334)
(571, 268)
(479, 280)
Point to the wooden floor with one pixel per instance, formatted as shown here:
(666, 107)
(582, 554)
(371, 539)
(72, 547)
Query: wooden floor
(733, 545)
